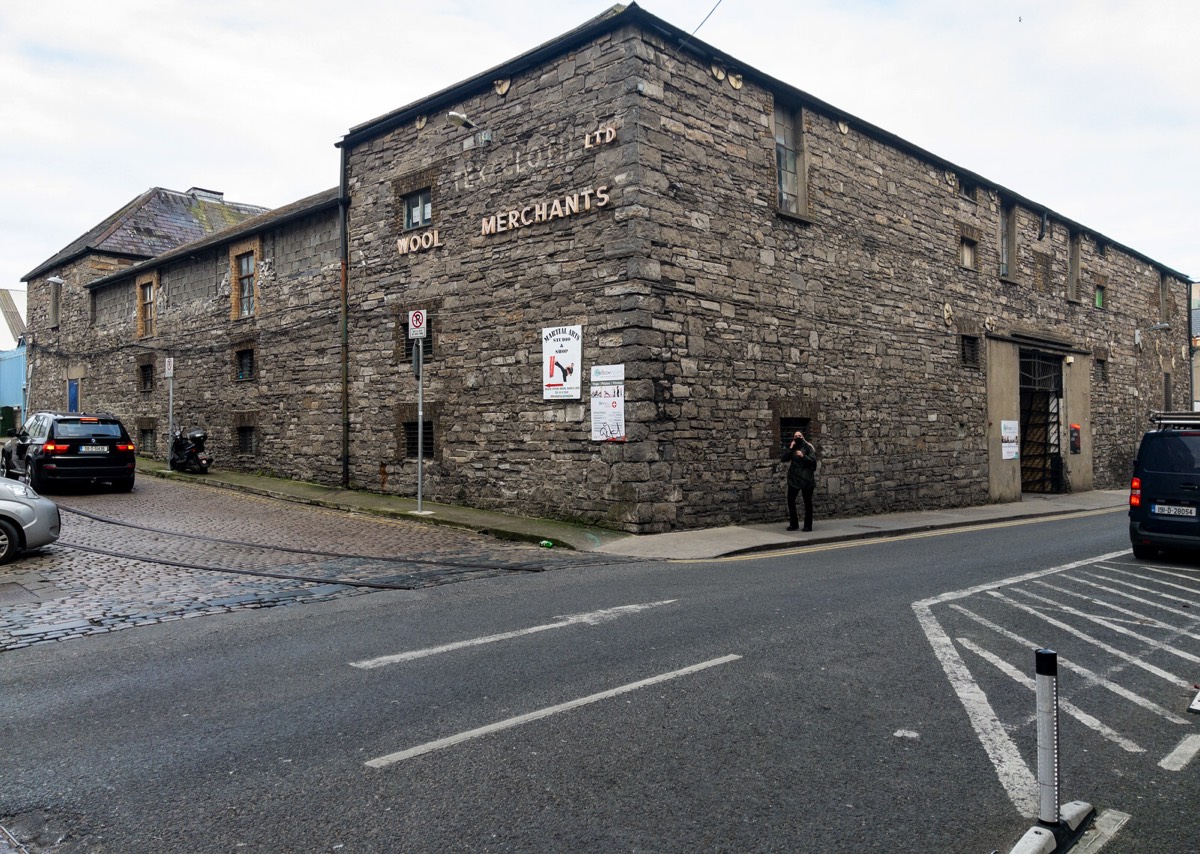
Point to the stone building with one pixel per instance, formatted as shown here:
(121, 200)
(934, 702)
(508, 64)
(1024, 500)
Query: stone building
(629, 214)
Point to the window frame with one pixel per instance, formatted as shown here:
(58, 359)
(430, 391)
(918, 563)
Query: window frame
(1008, 241)
(239, 372)
(243, 285)
(1074, 252)
(241, 431)
(146, 377)
(427, 440)
(424, 207)
(786, 118)
(146, 290)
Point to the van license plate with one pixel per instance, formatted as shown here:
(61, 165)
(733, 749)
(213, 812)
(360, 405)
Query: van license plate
(100, 449)
(1172, 510)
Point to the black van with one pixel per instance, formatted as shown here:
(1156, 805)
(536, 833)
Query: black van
(1164, 495)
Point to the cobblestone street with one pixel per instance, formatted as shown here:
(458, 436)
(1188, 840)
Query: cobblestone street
(176, 550)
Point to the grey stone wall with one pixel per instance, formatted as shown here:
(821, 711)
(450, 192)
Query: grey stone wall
(727, 316)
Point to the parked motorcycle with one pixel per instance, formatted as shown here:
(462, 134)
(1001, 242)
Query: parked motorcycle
(187, 452)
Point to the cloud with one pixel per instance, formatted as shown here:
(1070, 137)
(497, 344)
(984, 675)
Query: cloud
(1085, 107)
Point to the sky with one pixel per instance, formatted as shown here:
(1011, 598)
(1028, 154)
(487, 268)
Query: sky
(1088, 107)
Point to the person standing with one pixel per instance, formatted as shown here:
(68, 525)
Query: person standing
(801, 457)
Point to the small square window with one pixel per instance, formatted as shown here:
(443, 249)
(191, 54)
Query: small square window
(146, 377)
(147, 442)
(418, 209)
(969, 351)
(247, 439)
(968, 189)
(245, 364)
(410, 440)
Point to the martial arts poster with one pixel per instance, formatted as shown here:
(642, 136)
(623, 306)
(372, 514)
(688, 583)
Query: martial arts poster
(562, 362)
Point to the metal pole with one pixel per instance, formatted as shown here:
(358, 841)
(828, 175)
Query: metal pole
(1047, 735)
(419, 358)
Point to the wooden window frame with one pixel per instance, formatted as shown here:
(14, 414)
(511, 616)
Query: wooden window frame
(146, 314)
(237, 309)
(788, 131)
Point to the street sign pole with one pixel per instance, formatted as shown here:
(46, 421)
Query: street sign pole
(170, 372)
(417, 325)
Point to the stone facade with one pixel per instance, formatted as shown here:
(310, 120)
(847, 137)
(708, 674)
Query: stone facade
(618, 183)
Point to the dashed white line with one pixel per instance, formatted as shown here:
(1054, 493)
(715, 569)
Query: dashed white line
(430, 746)
(1178, 758)
(590, 619)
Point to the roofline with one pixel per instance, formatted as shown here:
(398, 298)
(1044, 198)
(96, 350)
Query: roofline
(633, 14)
(263, 222)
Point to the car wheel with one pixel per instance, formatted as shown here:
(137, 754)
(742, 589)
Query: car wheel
(123, 484)
(1144, 552)
(10, 541)
(31, 478)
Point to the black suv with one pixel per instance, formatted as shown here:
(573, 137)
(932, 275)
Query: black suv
(1164, 495)
(55, 448)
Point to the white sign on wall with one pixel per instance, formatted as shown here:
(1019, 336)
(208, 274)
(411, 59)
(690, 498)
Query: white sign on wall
(1010, 440)
(562, 362)
(608, 403)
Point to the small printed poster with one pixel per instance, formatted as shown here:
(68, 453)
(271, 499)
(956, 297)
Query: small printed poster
(1010, 440)
(608, 403)
(562, 361)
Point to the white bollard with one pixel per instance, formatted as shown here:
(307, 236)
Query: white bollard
(1047, 736)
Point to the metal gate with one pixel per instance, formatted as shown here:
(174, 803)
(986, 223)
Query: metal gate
(1041, 402)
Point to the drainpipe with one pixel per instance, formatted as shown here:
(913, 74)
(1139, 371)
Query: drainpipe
(343, 230)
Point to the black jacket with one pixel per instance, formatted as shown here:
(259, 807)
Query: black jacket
(802, 471)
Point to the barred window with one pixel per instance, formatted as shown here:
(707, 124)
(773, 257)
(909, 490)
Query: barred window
(969, 350)
(247, 439)
(245, 364)
(146, 377)
(410, 440)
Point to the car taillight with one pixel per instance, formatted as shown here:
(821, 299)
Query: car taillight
(126, 446)
(55, 448)
(1135, 492)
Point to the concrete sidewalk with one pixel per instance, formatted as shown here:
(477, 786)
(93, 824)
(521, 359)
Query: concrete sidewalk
(699, 544)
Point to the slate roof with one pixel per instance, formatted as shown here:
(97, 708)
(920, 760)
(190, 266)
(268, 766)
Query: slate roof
(155, 222)
(264, 221)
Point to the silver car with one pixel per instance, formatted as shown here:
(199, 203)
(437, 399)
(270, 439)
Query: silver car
(27, 521)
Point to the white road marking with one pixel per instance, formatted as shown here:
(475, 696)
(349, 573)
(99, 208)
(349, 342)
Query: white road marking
(1112, 650)
(429, 747)
(1103, 829)
(590, 619)
(1122, 593)
(1068, 664)
(1066, 706)
(1178, 758)
(1156, 581)
(1108, 624)
(1135, 617)
(1016, 778)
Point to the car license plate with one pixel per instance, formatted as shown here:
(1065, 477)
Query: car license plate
(1172, 510)
(100, 449)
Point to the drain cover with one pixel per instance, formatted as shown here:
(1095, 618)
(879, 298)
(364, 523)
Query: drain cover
(12, 593)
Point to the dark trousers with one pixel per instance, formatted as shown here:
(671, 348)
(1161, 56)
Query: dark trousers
(807, 492)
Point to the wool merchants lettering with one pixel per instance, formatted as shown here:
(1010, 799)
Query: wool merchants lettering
(570, 205)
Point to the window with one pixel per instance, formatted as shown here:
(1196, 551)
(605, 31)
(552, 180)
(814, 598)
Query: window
(1167, 402)
(244, 364)
(426, 342)
(792, 175)
(1008, 240)
(147, 441)
(1101, 371)
(55, 301)
(410, 440)
(418, 209)
(245, 264)
(247, 439)
(146, 377)
(969, 350)
(787, 429)
(1164, 297)
(243, 275)
(967, 189)
(1073, 268)
(1100, 296)
(145, 308)
(968, 255)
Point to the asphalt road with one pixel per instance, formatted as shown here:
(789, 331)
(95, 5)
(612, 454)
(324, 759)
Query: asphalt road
(792, 702)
